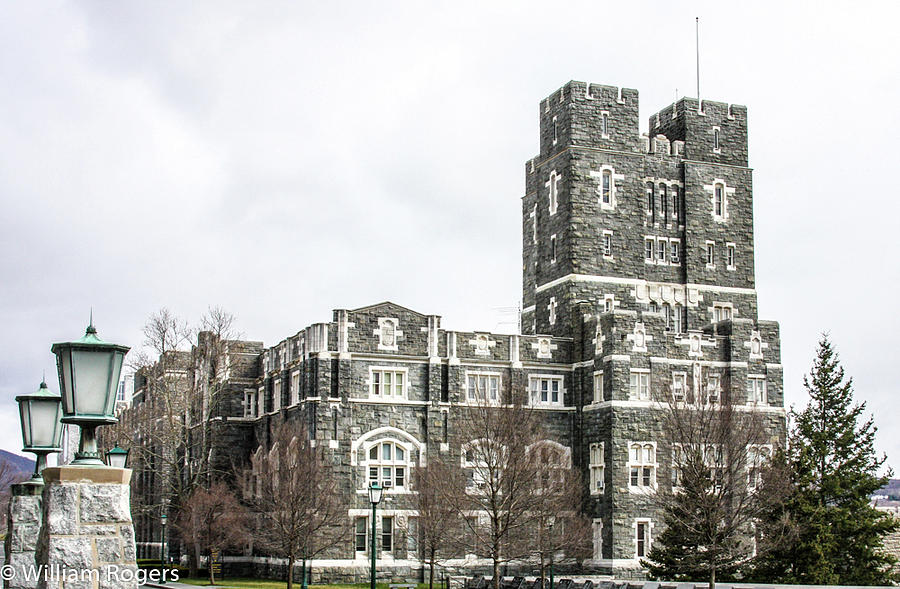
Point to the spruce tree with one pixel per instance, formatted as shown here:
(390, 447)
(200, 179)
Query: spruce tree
(835, 471)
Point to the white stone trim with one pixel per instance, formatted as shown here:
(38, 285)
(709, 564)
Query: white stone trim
(398, 435)
(637, 281)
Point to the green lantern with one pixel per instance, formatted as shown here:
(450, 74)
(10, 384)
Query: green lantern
(117, 457)
(88, 378)
(39, 414)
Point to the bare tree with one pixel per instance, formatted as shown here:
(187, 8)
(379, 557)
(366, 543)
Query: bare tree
(215, 519)
(711, 504)
(498, 482)
(438, 520)
(9, 476)
(294, 489)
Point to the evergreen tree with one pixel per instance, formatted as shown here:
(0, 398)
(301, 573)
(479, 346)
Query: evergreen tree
(832, 456)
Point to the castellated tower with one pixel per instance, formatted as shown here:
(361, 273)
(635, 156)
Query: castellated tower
(640, 249)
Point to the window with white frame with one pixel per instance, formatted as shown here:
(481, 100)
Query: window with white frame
(608, 304)
(606, 187)
(534, 223)
(387, 464)
(756, 390)
(597, 468)
(607, 244)
(713, 388)
(710, 254)
(546, 390)
(642, 465)
(722, 312)
(639, 385)
(250, 403)
(553, 249)
(664, 201)
(295, 387)
(650, 198)
(648, 249)
(260, 401)
(679, 384)
(551, 308)
(729, 249)
(677, 318)
(667, 314)
(642, 538)
(674, 251)
(482, 460)
(677, 466)
(553, 186)
(654, 308)
(716, 139)
(719, 200)
(604, 124)
(597, 529)
(661, 250)
(387, 533)
(361, 534)
(482, 387)
(598, 386)
(676, 204)
(276, 396)
(555, 131)
(757, 457)
(387, 383)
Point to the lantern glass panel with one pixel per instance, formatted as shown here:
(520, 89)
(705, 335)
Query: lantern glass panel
(44, 422)
(65, 378)
(92, 377)
(25, 417)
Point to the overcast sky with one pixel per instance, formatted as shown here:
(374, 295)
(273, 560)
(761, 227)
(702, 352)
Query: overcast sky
(282, 159)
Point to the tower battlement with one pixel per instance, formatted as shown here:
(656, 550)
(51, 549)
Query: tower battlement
(714, 132)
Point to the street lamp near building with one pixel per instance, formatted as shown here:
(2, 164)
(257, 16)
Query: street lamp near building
(39, 414)
(162, 547)
(117, 457)
(375, 492)
(89, 371)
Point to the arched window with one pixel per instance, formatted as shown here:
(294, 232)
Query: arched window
(642, 465)
(387, 464)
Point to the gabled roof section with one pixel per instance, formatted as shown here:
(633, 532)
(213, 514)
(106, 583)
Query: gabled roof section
(387, 307)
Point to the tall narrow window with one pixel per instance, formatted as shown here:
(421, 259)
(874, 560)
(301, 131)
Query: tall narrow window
(716, 139)
(598, 387)
(756, 390)
(642, 543)
(387, 534)
(664, 202)
(552, 249)
(676, 318)
(676, 204)
(661, 247)
(649, 198)
(607, 244)
(412, 537)
(606, 187)
(713, 388)
(555, 131)
(597, 466)
(678, 386)
(667, 314)
(553, 191)
(710, 254)
(598, 539)
(719, 200)
(604, 124)
(674, 254)
(361, 535)
(648, 250)
(730, 257)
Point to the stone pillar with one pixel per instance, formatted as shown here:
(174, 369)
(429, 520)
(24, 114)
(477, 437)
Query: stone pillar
(24, 524)
(87, 537)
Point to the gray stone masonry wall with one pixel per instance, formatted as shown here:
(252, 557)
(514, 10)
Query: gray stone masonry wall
(87, 531)
(24, 524)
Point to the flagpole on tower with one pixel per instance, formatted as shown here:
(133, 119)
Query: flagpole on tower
(697, 30)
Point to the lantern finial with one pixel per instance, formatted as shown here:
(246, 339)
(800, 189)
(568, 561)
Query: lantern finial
(91, 329)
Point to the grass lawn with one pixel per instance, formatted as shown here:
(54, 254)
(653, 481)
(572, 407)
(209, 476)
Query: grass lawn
(245, 583)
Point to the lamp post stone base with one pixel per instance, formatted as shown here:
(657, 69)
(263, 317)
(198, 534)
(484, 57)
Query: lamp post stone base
(24, 524)
(87, 537)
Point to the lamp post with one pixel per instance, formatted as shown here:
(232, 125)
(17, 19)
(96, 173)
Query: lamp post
(375, 491)
(88, 379)
(162, 547)
(117, 457)
(550, 526)
(39, 414)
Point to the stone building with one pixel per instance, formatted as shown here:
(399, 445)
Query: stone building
(638, 276)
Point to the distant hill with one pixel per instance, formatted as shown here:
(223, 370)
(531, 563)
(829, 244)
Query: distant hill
(20, 463)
